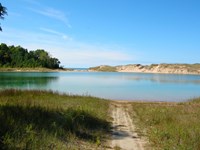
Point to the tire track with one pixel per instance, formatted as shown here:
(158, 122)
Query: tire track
(124, 134)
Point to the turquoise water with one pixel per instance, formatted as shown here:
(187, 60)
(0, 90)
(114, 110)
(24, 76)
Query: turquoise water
(118, 86)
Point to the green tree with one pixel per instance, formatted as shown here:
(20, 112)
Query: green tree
(3, 12)
(5, 55)
(17, 56)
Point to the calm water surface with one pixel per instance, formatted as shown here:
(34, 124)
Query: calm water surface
(119, 86)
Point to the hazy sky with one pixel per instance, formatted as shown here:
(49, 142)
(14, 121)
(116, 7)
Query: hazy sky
(82, 33)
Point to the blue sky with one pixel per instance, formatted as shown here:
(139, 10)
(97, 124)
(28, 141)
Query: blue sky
(84, 33)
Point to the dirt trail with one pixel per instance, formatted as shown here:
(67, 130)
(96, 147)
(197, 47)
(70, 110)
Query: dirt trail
(124, 134)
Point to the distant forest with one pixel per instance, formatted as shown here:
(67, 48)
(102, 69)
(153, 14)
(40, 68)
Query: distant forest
(17, 56)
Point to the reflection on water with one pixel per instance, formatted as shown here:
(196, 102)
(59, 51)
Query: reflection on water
(160, 78)
(120, 86)
(25, 80)
(168, 78)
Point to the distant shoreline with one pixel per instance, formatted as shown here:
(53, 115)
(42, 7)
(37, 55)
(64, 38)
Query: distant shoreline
(193, 69)
(187, 69)
(31, 70)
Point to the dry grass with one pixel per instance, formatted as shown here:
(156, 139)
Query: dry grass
(170, 125)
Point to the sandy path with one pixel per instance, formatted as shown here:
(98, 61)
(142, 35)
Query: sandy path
(124, 134)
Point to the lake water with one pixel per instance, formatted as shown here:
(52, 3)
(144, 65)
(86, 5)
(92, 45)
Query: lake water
(117, 86)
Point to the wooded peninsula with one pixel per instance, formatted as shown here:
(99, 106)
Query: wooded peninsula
(19, 57)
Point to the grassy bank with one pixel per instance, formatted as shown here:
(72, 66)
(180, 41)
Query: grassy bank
(5, 69)
(46, 120)
(170, 125)
(103, 68)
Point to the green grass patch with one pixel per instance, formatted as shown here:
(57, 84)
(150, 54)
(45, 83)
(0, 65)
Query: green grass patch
(36, 69)
(48, 120)
(170, 125)
(104, 68)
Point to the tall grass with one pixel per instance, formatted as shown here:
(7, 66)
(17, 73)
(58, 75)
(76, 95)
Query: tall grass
(170, 125)
(47, 120)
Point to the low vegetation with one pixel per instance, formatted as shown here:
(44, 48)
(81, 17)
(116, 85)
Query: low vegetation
(35, 69)
(170, 125)
(103, 68)
(47, 120)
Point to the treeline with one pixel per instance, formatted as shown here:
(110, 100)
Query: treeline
(17, 56)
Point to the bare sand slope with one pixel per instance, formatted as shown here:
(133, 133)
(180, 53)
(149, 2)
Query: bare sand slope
(124, 134)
